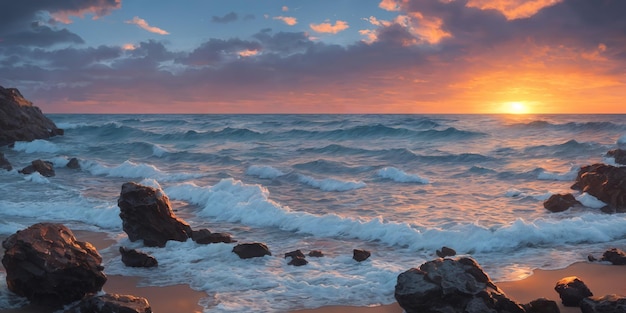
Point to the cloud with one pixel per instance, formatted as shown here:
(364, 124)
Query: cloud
(285, 8)
(513, 9)
(287, 20)
(144, 25)
(327, 27)
(389, 5)
(41, 36)
(230, 17)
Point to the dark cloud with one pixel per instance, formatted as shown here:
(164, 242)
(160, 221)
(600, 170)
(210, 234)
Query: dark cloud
(41, 36)
(249, 17)
(218, 50)
(230, 17)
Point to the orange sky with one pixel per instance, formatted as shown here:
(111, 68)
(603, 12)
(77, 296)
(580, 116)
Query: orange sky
(393, 56)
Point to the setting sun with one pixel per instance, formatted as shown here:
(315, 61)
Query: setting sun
(516, 108)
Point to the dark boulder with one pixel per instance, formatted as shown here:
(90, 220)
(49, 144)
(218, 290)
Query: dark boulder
(4, 163)
(135, 258)
(560, 202)
(298, 261)
(360, 255)
(205, 236)
(316, 254)
(46, 264)
(542, 305)
(615, 256)
(111, 303)
(21, 121)
(451, 285)
(572, 290)
(605, 182)
(73, 164)
(604, 304)
(445, 252)
(251, 250)
(42, 167)
(619, 155)
(294, 254)
(147, 215)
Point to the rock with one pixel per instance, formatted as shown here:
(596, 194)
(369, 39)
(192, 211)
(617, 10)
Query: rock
(135, 258)
(294, 254)
(572, 290)
(591, 258)
(605, 182)
(251, 250)
(73, 164)
(112, 303)
(4, 163)
(46, 264)
(316, 254)
(146, 214)
(451, 285)
(298, 261)
(21, 121)
(445, 251)
(619, 155)
(360, 255)
(560, 202)
(604, 304)
(542, 305)
(615, 256)
(205, 236)
(42, 167)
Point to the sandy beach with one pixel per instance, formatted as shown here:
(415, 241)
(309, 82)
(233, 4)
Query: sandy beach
(602, 279)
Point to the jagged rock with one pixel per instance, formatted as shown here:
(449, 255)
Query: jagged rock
(294, 254)
(251, 250)
(451, 285)
(42, 167)
(615, 256)
(298, 261)
(360, 255)
(604, 304)
(542, 305)
(21, 121)
(147, 215)
(135, 258)
(73, 164)
(619, 155)
(445, 252)
(605, 182)
(560, 202)
(46, 264)
(4, 163)
(316, 253)
(112, 303)
(205, 236)
(572, 290)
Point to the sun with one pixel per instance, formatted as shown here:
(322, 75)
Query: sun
(516, 107)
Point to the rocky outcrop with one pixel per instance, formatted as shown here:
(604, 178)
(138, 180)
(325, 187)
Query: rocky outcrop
(4, 163)
(572, 290)
(147, 215)
(135, 258)
(251, 250)
(112, 303)
(21, 121)
(205, 236)
(445, 252)
(451, 285)
(360, 255)
(46, 264)
(560, 202)
(619, 155)
(604, 304)
(42, 167)
(605, 182)
(615, 256)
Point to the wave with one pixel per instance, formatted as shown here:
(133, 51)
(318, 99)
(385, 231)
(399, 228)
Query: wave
(568, 148)
(332, 167)
(570, 126)
(330, 184)
(567, 176)
(382, 131)
(400, 176)
(457, 158)
(37, 145)
(129, 169)
(264, 171)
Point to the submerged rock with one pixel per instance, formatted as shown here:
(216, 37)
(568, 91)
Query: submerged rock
(251, 250)
(46, 264)
(316, 254)
(360, 255)
(605, 182)
(294, 254)
(21, 121)
(147, 215)
(4, 163)
(572, 290)
(135, 258)
(112, 303)
(604, 304)
(298, 261)
(560, 202)
(73, 164)
(205, 236)
(42, 167)
(445, 252)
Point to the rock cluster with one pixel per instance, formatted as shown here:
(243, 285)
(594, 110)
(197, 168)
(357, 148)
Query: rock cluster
(42, 167)
(21, 121)
(605, 182)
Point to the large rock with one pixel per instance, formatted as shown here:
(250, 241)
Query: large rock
(21, 121)
(605, 182)
(4, 163)
(572, 290)
(604, 304)
(112, 303)
(147, 215)
(560, 202)
(42, 167)
(619, 155)
(251, 250)
(451, 286)
(46, 264)
(615, 256)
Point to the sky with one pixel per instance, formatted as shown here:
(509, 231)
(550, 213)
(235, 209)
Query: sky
(326, 56)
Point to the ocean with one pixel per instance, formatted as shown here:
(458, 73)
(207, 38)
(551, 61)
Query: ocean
(400, 186)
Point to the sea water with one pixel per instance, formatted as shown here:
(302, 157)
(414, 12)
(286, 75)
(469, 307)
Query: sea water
(401, 186)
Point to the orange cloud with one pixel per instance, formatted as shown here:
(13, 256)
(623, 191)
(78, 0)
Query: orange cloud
(247, 53)
(513, 9)
(285, 8)
(129, 46)
(329, 28)
(287, 20)
(389, 5)
(98, 9)
(143, 24)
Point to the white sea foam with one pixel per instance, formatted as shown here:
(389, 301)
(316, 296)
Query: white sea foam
(36, 178)
(159, 151)
(514, 193)
(264, 171)
(129, 169)
(65, 125)
(590, 201)
(330, 184)
(401, 176)
(37, 145)
(568, 176)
